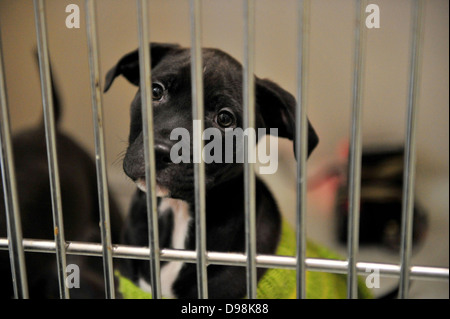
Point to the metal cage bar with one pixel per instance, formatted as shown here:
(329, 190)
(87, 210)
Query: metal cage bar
(410, 150)
(249, 124)
(49, 120)
(199, 166)
(234, 259)
(12, 210)
(147, 121)
(301, 143)
(100, 153)
(355, 156)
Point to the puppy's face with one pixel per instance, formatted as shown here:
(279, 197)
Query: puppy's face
(172, 114)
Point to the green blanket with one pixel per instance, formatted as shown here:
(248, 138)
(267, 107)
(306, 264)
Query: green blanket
(281, 283)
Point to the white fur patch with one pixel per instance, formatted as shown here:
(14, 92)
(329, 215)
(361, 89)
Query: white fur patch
(161, 191)
(181, 220)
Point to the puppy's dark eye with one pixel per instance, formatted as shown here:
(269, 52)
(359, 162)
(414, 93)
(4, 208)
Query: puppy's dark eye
(157, 91)
(225, 118)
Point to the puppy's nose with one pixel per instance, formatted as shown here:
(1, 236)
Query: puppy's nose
(162, 156)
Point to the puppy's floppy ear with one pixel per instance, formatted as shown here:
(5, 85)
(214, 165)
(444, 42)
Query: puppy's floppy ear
(128, 65)
(277, 108)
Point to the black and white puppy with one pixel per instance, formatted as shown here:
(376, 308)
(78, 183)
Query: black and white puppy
(172, 108)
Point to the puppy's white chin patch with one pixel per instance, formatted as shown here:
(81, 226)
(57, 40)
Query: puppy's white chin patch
(161, 191)
(140, 183)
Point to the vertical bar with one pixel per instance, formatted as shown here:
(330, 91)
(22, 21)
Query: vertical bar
(410, 151)
(199, 166)
(249, 123)
(49, 120)
(147, 121)
(355, 155)
(14, 227)
(100, 153)
(301, 143)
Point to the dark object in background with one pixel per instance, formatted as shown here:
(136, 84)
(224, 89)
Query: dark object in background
(381, 201)
(80, 208)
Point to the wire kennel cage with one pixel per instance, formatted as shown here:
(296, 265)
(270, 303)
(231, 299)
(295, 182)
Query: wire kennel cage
(107, 250)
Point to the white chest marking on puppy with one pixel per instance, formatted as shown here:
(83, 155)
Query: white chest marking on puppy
(181, 219)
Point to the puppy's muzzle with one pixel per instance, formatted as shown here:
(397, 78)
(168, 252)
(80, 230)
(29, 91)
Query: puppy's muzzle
(162, 156)
(134, 165)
